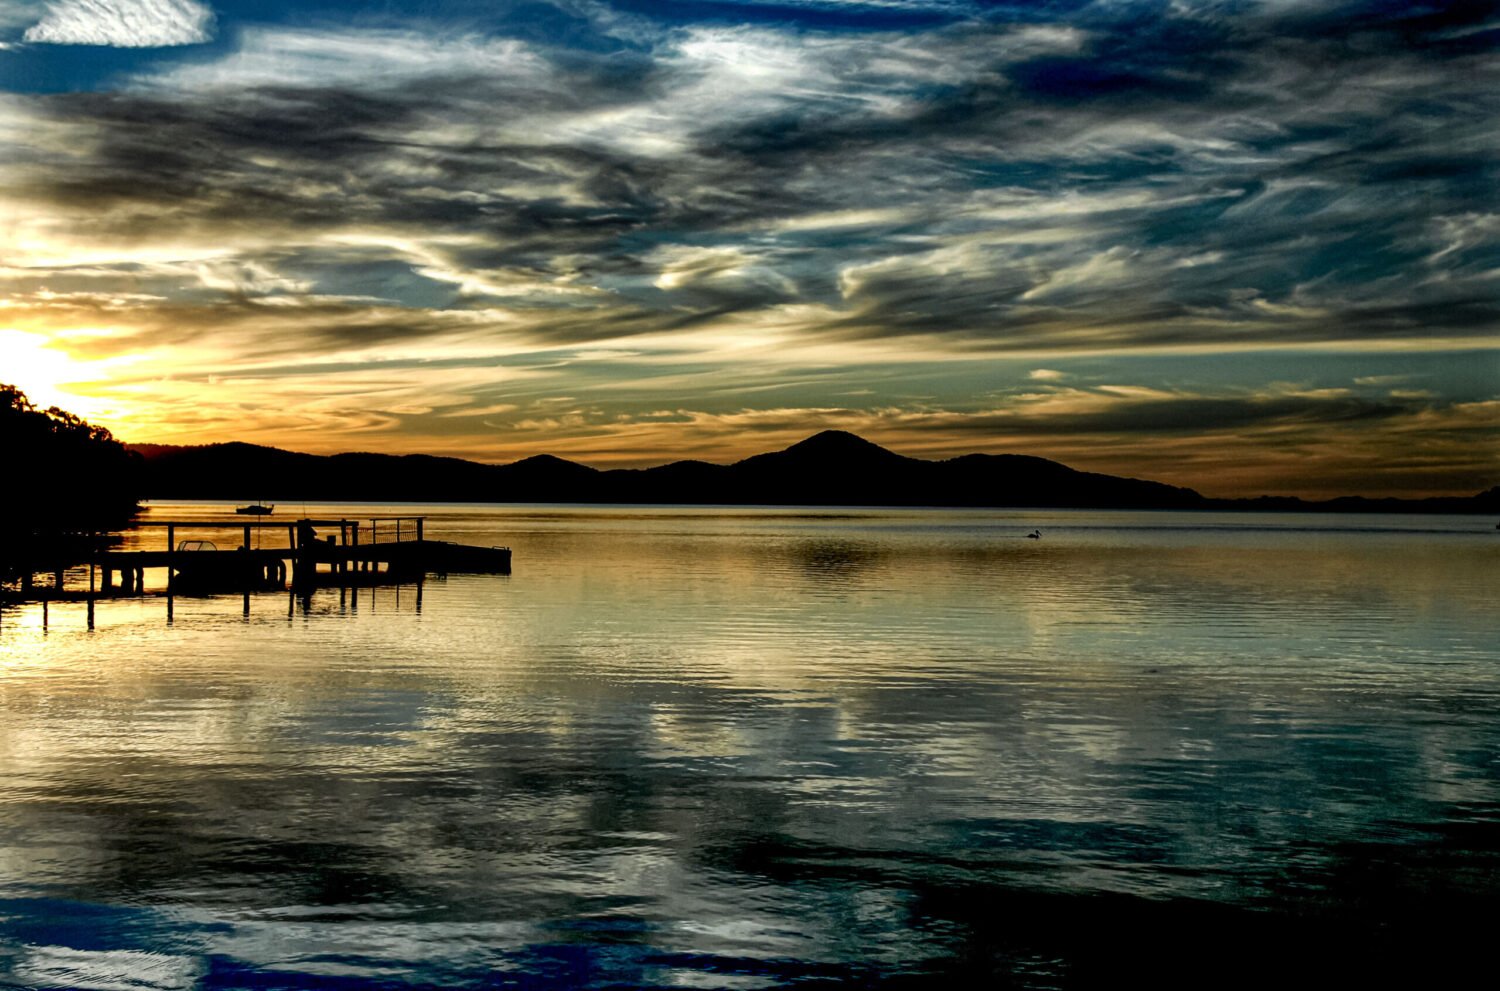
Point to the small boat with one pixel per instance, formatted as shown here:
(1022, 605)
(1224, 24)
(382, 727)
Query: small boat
(255, 509)
(201, 568)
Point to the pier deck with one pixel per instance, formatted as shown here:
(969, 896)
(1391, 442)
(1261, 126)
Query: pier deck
(318, 553)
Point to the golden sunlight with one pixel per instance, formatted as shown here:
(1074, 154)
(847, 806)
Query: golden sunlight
(35, 364)
(29, 363)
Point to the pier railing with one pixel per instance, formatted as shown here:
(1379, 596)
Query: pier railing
(340, 552)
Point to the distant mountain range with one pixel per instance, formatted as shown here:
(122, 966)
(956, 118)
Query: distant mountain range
(830, 468)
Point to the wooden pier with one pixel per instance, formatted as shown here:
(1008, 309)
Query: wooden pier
(318, 553)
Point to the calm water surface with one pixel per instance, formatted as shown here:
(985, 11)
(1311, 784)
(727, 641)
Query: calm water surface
(751, 748)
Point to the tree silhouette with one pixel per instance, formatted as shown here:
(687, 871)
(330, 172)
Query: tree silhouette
(63, 476)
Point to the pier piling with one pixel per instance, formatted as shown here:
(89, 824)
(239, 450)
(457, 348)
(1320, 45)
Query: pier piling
(339, 557)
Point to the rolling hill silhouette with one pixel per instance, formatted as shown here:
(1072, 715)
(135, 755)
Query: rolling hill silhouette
(830, 468)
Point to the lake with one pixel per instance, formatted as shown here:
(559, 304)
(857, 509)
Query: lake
(752, 748)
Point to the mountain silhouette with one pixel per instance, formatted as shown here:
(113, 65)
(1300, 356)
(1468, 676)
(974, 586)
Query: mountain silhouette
(832, 467)
(829, 468)
(832, 446)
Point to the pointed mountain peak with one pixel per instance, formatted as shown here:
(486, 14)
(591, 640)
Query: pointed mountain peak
(839, 443)
(829, 451)
(551, 461)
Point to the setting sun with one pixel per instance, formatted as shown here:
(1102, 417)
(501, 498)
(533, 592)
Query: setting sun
(38, 369)
(38, 366)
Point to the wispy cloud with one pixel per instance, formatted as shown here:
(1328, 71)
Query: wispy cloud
(123, 23)
(772, 216)
(18, 13)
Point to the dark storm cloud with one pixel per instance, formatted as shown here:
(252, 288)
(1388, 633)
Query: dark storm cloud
(309, 160)
(1186, 415)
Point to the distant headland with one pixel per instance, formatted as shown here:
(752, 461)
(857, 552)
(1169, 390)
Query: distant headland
(827, 469)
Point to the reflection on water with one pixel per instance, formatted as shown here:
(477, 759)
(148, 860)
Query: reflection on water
(751, 749)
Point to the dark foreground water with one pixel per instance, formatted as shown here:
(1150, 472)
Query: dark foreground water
(744, 749)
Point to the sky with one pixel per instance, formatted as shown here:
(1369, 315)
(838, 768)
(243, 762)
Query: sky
(1247, 246)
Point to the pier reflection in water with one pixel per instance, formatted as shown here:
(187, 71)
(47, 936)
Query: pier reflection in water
(758, 748)
(199, 566)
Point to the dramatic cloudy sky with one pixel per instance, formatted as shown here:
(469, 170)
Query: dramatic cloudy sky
(1242, 245)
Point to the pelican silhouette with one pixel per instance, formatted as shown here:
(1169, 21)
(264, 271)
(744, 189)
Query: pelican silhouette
(1034, 535)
